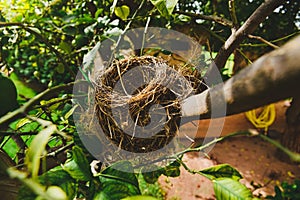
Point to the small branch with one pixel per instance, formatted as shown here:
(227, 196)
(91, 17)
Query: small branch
(178, 155)
(231, 5)
(220, 20)
(263, 41)
(236, 38)
(8, 133)
(216, 140)
(23, 110)
(58, 151)
(61, 100)
(293, 155)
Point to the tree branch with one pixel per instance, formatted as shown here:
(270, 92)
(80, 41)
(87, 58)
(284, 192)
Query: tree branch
(23, 110)
(231, 5)
(273, 77)
(236, 38)
(214, 18)
(263, 41)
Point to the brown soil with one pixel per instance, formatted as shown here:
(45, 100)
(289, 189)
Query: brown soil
(255, 159)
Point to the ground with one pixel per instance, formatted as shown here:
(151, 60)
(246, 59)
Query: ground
(255, 159)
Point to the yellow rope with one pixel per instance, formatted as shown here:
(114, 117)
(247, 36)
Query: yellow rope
(265, 118)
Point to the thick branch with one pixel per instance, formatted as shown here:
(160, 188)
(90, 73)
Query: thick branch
(236, 38)
(273, 77)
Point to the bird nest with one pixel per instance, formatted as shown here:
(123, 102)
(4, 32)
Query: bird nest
(137, 101)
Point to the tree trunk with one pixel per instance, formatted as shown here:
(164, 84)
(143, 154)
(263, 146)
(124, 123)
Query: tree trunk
(291, 137)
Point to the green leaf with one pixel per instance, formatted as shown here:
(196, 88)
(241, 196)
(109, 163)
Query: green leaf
(39, 190)
(55, 192)
(151, 173)
(122, 12)
(34, 29)
(65, 46)
(227, 188)
(8, 95)
(78, 166)
(60, 68)
(165, 7)
(36, 149)
(171, 5)
(58, 176)
(140, 197)
(118, 184)
(221, 171)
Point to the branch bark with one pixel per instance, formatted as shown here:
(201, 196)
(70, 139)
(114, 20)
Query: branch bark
(236, 38)
(273, 77)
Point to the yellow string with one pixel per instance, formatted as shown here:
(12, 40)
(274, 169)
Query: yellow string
(265, 118)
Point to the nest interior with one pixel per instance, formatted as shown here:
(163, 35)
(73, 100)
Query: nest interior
(126, 97)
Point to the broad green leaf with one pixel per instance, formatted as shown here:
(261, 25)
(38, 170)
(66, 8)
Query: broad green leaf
(101, 196)
(56, 176)
(221, 171)
(40, 191)
(36, 149)
(65, 46)
(55, 192)
(82, 161)
(171, 5)
(165, 7)
(118, 184)
(161, 7)
(122, 12)
(34, 29)
(227, 188)
(140, 197)
(77, 166)
(151, 173)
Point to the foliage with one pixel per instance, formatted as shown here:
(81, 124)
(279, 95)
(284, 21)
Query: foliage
(61, 32)
(287, 191)
(44, 42)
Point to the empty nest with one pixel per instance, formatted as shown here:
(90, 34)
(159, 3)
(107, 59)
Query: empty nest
(127, 107)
